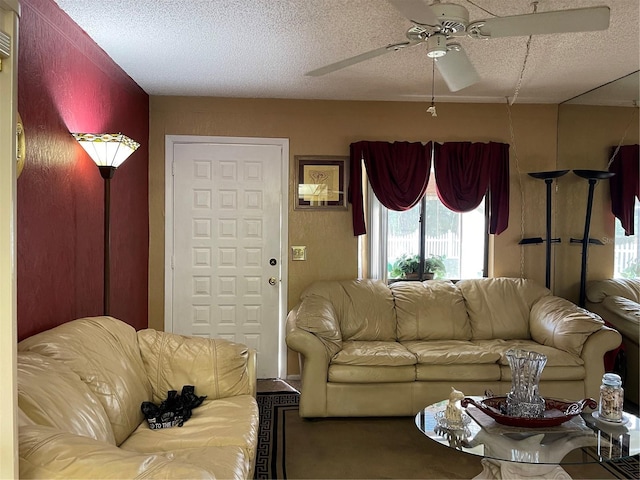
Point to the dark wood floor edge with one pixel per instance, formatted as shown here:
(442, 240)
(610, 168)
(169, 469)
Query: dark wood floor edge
(283, 392)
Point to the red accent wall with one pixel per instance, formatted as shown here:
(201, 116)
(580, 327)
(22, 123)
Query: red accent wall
(66, 83)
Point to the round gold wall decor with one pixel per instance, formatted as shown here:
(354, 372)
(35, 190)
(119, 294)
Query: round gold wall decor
(20, 146)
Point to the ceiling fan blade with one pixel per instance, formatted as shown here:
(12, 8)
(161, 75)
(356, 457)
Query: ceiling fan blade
(457, 70)
(394, 47)
(559, 21)
(417, 11)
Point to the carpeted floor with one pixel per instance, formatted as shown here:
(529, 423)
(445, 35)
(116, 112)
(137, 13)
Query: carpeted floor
(346, 448)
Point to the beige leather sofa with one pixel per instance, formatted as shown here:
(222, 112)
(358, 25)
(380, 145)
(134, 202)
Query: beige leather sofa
(617, 301)
(80, 388)
(367, 349)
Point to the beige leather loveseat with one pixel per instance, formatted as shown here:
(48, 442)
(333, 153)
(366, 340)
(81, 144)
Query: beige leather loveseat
(617, 301)
(368, 349)
(80, 388)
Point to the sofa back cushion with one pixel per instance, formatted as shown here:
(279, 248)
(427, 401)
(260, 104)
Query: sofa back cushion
(433, 310)
(104, 353)
(50, 394)
(364, 308)
(628, 288)
(499, 308)
(172, 361)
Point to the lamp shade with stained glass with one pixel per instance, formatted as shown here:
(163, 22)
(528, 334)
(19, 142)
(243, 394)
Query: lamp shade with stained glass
(107, 149)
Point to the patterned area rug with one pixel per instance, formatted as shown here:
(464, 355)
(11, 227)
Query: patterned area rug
(271, 436)
(370, 448)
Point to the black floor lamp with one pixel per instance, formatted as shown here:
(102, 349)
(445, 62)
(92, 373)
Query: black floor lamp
(592, 176)
(108, 151)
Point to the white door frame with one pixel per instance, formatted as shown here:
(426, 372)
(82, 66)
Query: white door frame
(9, 19)
(283, 143)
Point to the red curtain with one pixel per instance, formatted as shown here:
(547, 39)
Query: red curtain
(466, 171)
(625, 185)
(398, 172)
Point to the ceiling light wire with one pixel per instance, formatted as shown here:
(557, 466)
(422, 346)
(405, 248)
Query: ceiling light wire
(520, 186)
(524, 63)
(481, 8)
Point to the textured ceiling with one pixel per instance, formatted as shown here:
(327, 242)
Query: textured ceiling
(262, 49)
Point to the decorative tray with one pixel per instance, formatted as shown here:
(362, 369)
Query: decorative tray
(556, 411)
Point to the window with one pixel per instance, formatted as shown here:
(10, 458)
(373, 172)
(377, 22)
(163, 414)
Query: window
(627, 249)
(458, 240)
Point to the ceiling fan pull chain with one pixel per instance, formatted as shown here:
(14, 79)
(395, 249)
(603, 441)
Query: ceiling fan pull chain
(526, 57)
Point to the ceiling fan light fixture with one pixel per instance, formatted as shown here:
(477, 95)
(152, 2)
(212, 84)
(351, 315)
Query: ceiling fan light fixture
(437, 45)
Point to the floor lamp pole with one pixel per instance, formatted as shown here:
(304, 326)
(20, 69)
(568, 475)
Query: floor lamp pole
(107, 174)
(548, 180)
(592, 176)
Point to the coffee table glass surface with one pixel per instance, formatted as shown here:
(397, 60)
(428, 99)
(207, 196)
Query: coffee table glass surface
(581, 440)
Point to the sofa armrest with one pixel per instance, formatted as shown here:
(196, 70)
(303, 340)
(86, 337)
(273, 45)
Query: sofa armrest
(558, 323)
(314, 367)
(216, 367)
(595, 346)
(45, 452)
(623, 314)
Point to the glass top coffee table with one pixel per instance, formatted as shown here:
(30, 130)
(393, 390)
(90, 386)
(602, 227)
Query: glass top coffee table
(517, 452)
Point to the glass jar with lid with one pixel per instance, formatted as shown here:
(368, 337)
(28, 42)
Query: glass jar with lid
(611, 398)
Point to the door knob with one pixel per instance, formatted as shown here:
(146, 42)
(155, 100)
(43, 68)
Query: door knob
(272, 280)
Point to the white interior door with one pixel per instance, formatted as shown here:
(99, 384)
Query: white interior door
(227, 247)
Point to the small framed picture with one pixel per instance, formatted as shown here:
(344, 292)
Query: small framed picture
(322, 182)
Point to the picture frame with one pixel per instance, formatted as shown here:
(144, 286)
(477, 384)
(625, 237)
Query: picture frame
(321, 182)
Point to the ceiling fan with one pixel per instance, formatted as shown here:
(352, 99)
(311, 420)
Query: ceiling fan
(439, 26)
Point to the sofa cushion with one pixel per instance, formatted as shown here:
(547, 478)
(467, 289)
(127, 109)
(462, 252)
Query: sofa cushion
(172, 361)
(555, 357)
(450, 352)
(500, 307)
(229, 421)
(432, 310)
(559, 323)
(628, 288)
(560, 365)
(364, 308)
(224, 461)
(392, 354)
(454, 373)
(45, 452)
(104, 353)
(371, 374)
(453, 360)
(49, 393)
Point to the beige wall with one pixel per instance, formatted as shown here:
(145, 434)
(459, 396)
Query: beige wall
(327, 128)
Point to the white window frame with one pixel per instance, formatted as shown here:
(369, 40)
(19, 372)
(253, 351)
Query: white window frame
(377, 234)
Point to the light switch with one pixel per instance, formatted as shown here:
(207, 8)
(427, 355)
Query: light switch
(299, 253)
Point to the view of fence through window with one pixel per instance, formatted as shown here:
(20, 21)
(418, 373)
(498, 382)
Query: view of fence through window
(458, 238)
(627, 250)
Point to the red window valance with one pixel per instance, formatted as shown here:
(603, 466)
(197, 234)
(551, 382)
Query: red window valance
(399, 173)
(625, 185)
